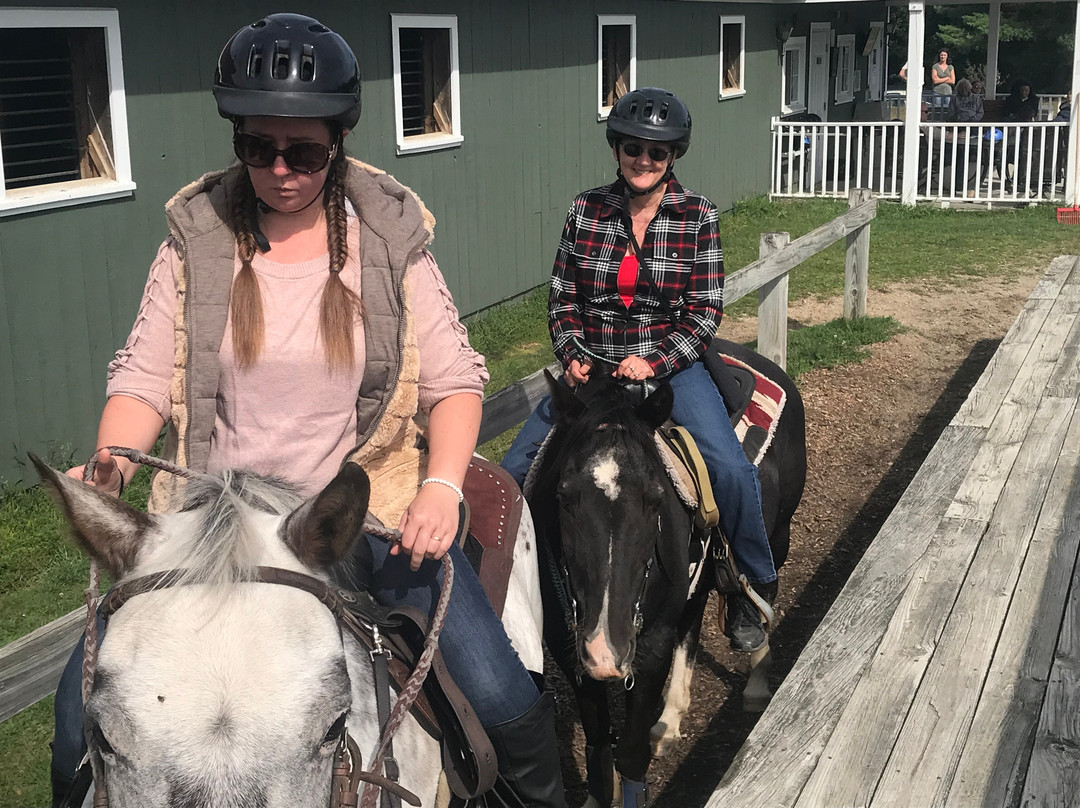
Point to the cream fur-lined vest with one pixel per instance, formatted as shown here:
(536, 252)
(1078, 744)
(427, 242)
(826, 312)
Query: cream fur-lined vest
(394, 225)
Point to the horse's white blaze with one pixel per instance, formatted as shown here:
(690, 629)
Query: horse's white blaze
(605, 474)
(601, 664)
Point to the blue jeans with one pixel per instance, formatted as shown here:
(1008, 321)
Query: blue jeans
(473, 642)
(699, 408)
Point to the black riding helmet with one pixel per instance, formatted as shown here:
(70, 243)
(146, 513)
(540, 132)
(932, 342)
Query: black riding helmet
(290, 66)
(650, 113)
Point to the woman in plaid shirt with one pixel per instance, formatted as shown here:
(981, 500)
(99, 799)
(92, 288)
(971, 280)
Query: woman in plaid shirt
(639, 279)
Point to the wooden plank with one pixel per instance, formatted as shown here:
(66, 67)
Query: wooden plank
(986, 396)
(1054, 775)
(773, 305)
(923, 762)
(785, 745)
(995, 759)
(854, 759)
(754, 276)
(1065, 380)
(31, 666)
(979, 494)
(857, 261)
(512, 405)
(1059, 273)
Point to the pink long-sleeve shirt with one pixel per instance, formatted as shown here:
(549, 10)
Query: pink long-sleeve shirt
(288, 405)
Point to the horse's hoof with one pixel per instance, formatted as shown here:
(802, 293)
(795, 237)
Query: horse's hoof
(755, 704)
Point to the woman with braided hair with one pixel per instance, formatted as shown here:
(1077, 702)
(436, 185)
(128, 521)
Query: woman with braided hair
(295, 320)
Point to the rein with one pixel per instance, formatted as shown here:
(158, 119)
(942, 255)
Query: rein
(342, 603)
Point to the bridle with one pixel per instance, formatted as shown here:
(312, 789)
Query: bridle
(564, 585)
(354, 611)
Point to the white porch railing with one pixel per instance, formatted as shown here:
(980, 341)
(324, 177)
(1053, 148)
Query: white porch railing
(989, 162)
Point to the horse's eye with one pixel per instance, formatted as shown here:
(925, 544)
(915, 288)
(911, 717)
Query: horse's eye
(101, 743)
(333, 735)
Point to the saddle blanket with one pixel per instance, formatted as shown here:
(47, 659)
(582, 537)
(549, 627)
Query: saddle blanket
(757, 426)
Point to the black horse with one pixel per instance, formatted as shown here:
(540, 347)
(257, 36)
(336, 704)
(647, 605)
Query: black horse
(624, 584)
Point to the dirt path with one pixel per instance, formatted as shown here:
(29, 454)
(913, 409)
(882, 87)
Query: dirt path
(869, 426)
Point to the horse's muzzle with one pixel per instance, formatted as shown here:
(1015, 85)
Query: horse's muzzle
(600, 662)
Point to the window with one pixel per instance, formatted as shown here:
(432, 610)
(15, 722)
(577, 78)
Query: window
(427, 98)
(793, 81)
(845, 68)
(732, 44)
(874, 50)
(63, 120)
(616, 61)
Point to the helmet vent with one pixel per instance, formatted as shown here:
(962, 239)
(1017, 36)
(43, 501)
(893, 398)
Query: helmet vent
(318, 28)
(663, 112)
(280, 70)
(255, 60)
(647, 112)
(307, 64)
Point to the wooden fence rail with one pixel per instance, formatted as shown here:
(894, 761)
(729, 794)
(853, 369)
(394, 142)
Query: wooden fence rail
(30, 666)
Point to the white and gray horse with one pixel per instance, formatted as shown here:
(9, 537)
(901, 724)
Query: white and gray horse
(227, 692)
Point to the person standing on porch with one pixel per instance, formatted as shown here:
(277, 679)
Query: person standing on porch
(943, 75)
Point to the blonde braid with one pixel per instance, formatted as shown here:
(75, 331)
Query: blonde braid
(245, 301)
(340, 306)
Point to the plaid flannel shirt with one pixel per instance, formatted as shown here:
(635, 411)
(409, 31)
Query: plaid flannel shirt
(682, 252)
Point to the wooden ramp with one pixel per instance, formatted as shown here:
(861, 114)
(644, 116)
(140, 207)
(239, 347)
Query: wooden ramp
(947, 672)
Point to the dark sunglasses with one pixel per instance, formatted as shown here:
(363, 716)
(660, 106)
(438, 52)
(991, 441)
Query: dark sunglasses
(658, 154)
(303, 158)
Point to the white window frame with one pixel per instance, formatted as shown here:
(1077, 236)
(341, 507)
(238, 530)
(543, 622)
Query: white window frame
(739, 20)
(794, 48)
(875, 64)
(440, 140)
(844, 91)
(75, 192)
(603, 21)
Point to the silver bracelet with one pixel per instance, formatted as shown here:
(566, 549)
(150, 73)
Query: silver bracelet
(447, 483)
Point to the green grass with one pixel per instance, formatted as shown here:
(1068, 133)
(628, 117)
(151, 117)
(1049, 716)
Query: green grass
(839, 342)
(42, 577)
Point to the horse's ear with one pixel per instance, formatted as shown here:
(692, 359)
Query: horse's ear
(656, 409)
(567, 405)
(107, 528)
(323, 529)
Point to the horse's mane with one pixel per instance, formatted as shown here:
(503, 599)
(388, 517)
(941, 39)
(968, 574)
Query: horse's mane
(225, 542)
(610, 417)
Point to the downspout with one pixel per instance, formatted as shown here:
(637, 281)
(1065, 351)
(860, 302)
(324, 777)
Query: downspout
(1072, 167)
(993, 36)
(913, 102)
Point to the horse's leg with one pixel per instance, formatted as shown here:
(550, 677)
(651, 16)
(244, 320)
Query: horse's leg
(596, 724)
(756, 694)
(665, 732)
(634, 751)
(591, 696)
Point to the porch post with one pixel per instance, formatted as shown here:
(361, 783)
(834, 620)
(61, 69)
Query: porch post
(993, 35)
(1072, 167)
(913, 102)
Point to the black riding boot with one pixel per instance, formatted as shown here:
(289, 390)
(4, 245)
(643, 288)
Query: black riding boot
(528, 755)
(744, 624)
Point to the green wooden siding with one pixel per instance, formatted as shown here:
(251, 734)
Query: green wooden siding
(71, 278)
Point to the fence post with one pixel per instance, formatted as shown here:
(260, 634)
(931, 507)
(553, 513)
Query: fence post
(772, 304)
(857, 261)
